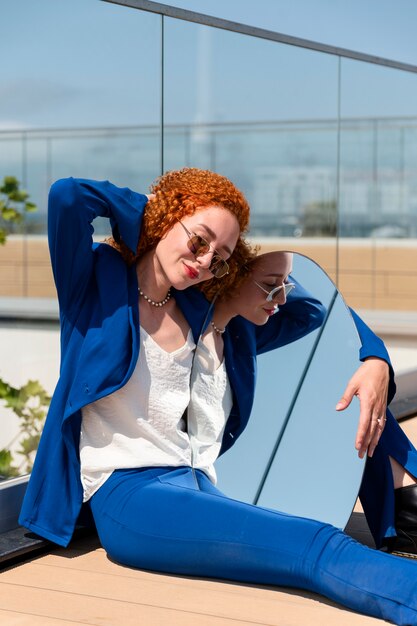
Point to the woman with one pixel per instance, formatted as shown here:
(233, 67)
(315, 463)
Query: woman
(171, 517)
(184, 234)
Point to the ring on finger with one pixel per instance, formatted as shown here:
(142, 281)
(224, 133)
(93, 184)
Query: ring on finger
(381, 421)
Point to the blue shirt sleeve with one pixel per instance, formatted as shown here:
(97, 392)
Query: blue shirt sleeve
(73, 204)
(373, 346)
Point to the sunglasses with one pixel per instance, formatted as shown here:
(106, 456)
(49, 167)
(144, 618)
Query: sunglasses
(199, 247)
(276, 291)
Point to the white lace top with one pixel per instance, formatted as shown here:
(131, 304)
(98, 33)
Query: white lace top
(142, 425)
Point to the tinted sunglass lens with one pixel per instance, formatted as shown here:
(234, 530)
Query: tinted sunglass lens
(219, 272)
(194, 244)
(198, 245)
(218, 267)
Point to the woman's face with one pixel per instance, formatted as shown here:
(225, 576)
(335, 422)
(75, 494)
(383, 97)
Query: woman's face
(271, 270)
(174, 259)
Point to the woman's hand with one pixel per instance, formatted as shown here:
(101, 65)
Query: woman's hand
(370, 384)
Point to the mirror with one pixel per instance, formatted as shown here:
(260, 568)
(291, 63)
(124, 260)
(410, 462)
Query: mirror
(296, 447)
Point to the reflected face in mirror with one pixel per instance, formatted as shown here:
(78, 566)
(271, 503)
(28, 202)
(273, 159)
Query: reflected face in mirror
(263, 291)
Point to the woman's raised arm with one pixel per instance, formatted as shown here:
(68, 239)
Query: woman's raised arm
(73, 205)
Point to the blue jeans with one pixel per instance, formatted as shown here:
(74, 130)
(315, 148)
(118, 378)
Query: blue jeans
(172, 520)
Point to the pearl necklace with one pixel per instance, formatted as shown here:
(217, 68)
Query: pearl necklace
(161, 303)
(219, 331)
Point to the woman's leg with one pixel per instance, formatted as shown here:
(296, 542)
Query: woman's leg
(377, 489)
(172, 522)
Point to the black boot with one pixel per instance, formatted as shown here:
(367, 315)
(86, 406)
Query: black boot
(405, 523)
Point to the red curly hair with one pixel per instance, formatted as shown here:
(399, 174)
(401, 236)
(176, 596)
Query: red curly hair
(241, 264)
(179, 193)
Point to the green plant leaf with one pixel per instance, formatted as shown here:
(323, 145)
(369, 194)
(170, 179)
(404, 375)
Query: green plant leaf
(29, 444)
(11, 395)
(10, 184)
(6, 468)
(9, 214)
(32, 388)
(4, 389)
(10, 188)
(30, 207)
(14, 402)
(19, 195)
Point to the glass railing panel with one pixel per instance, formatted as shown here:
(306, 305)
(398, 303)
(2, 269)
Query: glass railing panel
(378, 211)
(378, 190)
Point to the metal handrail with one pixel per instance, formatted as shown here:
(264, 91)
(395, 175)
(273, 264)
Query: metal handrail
(260, 33)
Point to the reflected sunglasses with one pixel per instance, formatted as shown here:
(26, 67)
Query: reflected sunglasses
(199, 247)
(276, 291)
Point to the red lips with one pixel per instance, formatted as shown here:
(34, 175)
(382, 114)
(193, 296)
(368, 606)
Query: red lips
(191, 272)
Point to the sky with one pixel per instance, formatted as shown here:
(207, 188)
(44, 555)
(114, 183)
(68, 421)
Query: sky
(86, 63)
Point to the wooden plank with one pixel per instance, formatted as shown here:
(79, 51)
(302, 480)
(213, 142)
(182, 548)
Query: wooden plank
(9, 618)
(89, 577)
(97, 611)
(198, 599)
(100, 611)
(410, 428)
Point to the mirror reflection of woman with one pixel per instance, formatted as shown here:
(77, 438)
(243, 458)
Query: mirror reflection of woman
(388, 491)
(115, 444)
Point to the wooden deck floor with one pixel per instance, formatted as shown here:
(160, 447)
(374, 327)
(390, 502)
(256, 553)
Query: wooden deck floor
(80, 585)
